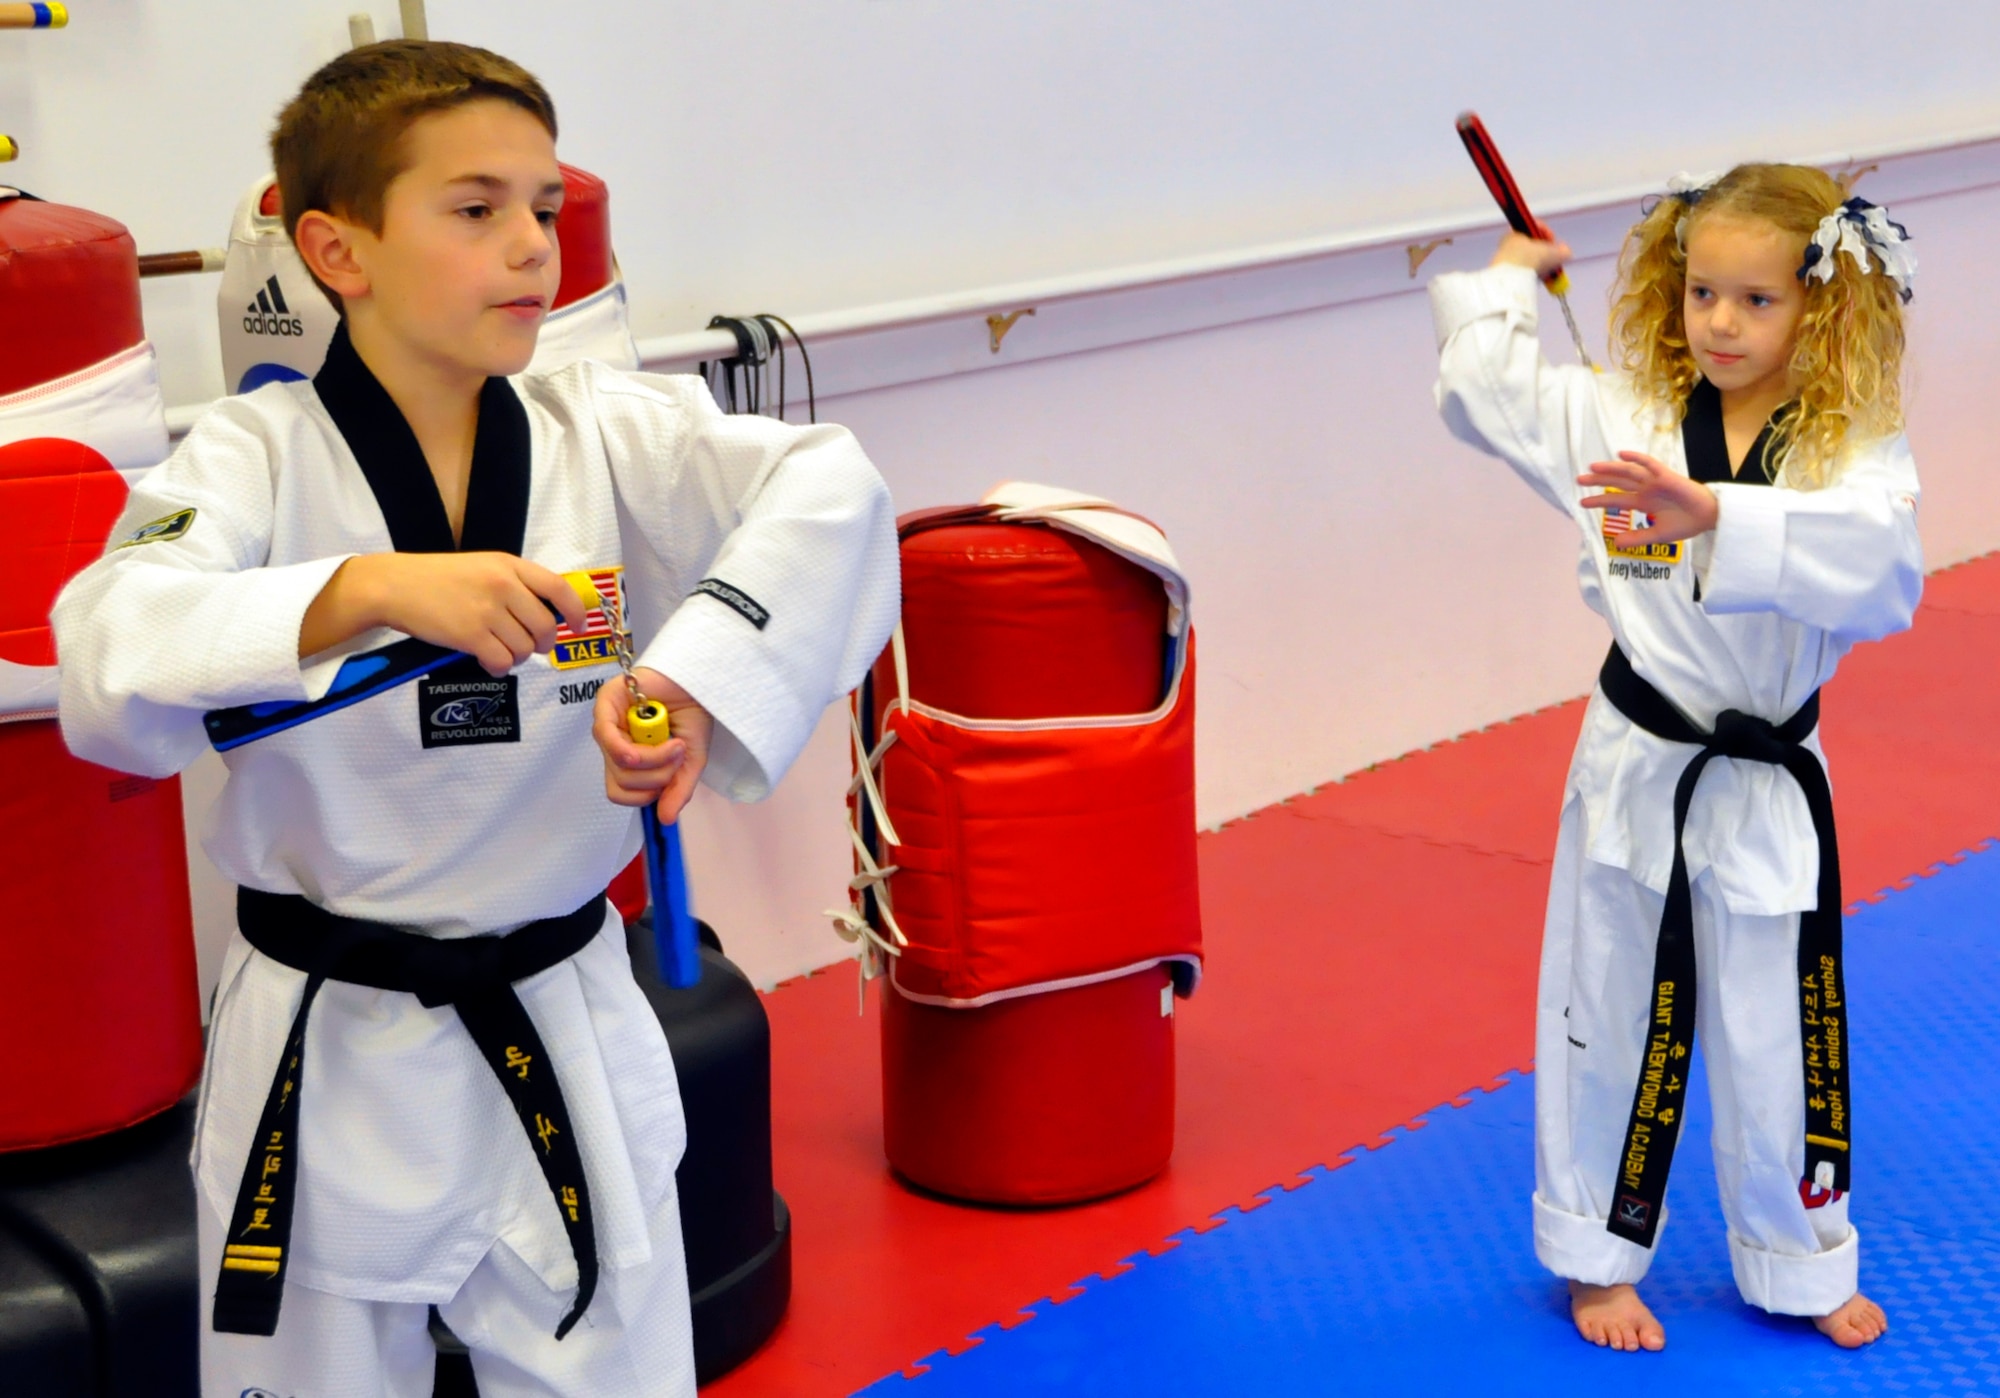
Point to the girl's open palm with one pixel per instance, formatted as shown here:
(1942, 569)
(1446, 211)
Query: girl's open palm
(1677, 507)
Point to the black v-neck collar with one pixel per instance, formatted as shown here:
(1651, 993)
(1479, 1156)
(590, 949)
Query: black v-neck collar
(1707, 444)
(496, 494)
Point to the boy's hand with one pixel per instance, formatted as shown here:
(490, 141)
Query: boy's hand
(1518, 250)
(635, 774)
(1679, 508)
(492, 606)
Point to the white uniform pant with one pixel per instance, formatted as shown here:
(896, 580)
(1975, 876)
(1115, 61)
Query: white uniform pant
(635, 1341)
(1591, 1024)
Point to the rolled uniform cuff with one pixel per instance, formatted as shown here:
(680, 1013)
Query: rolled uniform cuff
(1817, 1284)
(1583, 1249)
(1747, 558)
(721, 659)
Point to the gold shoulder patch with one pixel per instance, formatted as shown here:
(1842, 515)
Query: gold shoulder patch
(160, 530)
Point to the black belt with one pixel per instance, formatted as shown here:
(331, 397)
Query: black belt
(475, 976)
(1654, 1125)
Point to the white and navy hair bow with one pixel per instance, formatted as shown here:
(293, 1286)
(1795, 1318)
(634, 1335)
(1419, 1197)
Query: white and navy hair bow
(1859, 228)
(1688, 189)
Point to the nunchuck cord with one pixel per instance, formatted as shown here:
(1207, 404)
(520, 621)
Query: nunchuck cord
(740, 383)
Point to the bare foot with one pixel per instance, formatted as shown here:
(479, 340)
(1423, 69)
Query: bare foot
(1857, 1323)
(1615, 1317)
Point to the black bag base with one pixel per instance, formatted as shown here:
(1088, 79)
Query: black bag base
(46, 1348)
(735, 1314)
(98, 1284)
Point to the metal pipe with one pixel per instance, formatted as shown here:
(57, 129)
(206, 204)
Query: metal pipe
(360, 30)
(415, 26)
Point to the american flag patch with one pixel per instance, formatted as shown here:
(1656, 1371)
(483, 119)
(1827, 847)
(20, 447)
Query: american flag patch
(594, 644)
(1620, 522)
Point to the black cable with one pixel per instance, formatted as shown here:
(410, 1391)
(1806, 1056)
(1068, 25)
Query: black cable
(812, 404)
(741, 383)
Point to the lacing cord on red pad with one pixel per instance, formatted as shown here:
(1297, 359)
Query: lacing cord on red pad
(851, 923)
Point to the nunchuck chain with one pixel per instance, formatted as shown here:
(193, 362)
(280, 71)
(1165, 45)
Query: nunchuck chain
(646, 720)
(741, 383)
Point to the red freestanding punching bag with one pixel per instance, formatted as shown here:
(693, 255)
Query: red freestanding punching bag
(1032, 853)
(103, 1025)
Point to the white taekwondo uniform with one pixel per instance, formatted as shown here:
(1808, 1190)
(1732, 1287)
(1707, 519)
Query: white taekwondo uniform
(419, 1186)
(1752, 616)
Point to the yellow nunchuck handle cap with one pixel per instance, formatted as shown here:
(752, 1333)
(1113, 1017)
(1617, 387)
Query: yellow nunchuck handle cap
(8, 150)
(647, 723)
(1559, 286)
(585, 588)
(58, 15)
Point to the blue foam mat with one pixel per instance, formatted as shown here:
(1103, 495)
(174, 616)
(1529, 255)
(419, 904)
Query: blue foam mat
(1410, 1269)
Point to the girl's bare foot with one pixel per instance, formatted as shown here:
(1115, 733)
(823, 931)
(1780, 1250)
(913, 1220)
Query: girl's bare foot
(1615, 1317)
(1859, 1322)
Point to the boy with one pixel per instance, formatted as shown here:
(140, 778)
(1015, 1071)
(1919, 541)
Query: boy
(379, 1128)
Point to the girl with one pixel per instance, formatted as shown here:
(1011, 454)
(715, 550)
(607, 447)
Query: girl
(1748, 508)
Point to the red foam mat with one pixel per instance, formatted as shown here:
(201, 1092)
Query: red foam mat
(1371, 953)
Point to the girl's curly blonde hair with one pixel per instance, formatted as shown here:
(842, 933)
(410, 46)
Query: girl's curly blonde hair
(1847, 361)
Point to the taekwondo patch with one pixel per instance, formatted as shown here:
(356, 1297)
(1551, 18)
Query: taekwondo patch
(161, 530)
(737, 600)
(1641, 562)
(596, 643)
(460, 705)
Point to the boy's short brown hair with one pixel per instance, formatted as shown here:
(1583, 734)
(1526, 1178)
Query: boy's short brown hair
(339, 143)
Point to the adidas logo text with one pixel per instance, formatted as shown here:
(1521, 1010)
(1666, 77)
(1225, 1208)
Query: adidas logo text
(269, 315)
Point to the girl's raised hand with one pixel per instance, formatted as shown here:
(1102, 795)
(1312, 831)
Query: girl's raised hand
(1679, 508)
(1519, 250)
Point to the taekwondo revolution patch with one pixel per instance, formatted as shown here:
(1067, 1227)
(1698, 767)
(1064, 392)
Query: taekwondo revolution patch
(161, 530)
(461, 704)
(737, 600)
(595, 644)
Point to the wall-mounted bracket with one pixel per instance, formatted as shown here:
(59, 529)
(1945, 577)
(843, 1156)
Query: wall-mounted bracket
(1420, 252)
(1850, 178)
(997, 326)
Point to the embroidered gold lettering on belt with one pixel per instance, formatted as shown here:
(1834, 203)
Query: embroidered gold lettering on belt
(475, 976)
(1657, 1100)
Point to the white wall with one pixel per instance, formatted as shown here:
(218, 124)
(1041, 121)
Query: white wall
(1362, 585)
(769, 154)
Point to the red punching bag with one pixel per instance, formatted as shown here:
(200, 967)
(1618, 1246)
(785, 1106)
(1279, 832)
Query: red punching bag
(99, 997)
(584, 227)
(1039, 793)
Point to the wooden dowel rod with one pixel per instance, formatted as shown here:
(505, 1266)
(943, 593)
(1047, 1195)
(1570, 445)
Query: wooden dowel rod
(170, 264)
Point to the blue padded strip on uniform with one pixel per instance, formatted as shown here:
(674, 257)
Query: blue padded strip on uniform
(1411, 1270)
